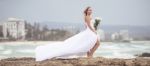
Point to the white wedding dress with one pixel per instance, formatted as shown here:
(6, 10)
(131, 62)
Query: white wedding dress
(74, 46)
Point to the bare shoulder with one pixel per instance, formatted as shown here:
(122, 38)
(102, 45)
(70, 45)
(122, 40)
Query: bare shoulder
(87, 17)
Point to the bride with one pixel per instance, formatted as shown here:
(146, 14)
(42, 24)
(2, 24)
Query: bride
(85, 42)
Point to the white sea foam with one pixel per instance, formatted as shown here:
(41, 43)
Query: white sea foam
(2, 48)
(9, 51)
(106, 49)
(26, 51)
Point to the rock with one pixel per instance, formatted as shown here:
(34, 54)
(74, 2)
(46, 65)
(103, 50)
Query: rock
(129, 63)
(98, 61)
(145, 55)
(142, 61)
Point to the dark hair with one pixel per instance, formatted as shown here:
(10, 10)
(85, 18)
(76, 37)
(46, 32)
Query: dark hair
(85, 11)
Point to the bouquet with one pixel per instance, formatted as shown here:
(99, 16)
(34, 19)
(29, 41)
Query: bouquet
(97, 22)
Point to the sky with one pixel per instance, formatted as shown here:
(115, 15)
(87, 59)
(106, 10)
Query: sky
(113, 12)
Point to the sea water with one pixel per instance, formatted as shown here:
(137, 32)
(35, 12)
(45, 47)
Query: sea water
(106, 49)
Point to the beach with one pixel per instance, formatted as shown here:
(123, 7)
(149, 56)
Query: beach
(97, 61)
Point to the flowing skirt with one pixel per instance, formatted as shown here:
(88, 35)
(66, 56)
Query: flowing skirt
(78, 44)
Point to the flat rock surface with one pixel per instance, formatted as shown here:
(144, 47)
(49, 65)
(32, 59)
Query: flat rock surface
(98, 61)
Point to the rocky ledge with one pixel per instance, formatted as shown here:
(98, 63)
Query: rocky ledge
(98, 61)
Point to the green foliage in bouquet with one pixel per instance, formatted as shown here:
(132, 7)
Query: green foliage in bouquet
(96, 23)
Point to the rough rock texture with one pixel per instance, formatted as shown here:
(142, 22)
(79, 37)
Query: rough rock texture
(144, 55)
(98, 61)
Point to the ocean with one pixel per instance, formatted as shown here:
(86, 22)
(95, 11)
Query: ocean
(106, 49)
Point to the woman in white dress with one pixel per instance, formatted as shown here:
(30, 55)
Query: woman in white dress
(88, 21)
(85, 42)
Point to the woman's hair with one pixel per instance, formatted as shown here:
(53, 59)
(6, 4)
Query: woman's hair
(85, 11)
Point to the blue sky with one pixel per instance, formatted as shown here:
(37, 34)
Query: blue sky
(113, 12)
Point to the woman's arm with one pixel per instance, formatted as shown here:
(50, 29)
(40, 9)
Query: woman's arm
(87, 21)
